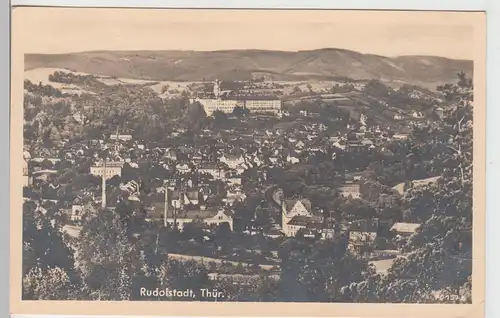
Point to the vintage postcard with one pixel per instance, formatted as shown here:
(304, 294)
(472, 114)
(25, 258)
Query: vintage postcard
(247, 162)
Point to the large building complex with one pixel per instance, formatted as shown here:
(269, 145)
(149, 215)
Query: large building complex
(226, 104)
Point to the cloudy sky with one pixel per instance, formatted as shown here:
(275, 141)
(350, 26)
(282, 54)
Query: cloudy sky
(51, 30)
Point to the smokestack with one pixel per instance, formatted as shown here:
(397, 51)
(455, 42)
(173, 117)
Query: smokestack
(103, 201)
(165, 214)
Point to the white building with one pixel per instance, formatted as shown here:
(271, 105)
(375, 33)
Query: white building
(179, 213)
(405, 229)
(296, 215)
(120, 137)
(109, 170)
(76, 212)
(350, 190)
(263, 104)
(400, 137)
(183, 168)
(363, 232)
(219, 218)
(225, 104)
(292, 160)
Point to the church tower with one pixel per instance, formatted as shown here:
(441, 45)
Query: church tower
(217, 88)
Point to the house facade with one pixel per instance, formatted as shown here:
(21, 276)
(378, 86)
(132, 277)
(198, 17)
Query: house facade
(108, 171)
(296, 214)
(363, 233)
(405, 229)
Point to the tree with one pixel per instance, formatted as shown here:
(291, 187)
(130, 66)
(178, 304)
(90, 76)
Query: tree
(220, 118)
(240, 111)
(114, 181)
(52, 284)
(317, 272)
(223, 234)
(164, 88)
(43, 243)
(194, 118)
(109, 272)
(47, 164)
(183, 275)
(193, 230)
(48, 265)
(310, 88)
(54, 134)
(377, 89)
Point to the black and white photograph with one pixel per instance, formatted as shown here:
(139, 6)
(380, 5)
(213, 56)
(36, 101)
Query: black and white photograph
(182, 157)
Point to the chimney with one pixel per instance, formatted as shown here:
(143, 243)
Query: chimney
(165, 213)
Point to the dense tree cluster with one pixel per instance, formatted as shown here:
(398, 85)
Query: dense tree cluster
(69, 78)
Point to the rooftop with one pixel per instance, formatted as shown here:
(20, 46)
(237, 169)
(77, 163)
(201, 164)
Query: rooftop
(289, 204)
(405, 227)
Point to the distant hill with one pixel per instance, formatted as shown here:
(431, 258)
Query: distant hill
(426, 71)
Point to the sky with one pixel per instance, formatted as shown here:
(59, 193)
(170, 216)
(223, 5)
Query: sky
(57, 30)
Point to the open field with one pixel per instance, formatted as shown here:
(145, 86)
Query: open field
(41, 75)
(383, 265)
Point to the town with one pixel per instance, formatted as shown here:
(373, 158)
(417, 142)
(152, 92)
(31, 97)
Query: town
(225, 174)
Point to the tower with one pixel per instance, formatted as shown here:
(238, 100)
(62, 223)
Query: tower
(217, 88)
(103, 201)
(363, 119)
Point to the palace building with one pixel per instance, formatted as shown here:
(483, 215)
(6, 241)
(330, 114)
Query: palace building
(226, 104)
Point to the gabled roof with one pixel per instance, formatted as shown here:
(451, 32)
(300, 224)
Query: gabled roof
(310, 222)
(300, 220)
(289, 204)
